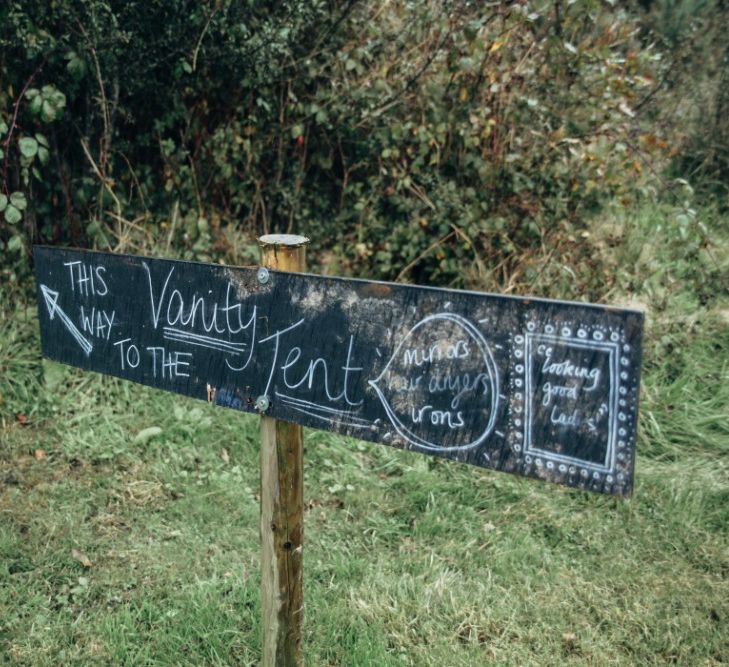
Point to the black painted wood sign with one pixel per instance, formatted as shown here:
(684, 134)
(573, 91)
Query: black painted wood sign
(541, 388)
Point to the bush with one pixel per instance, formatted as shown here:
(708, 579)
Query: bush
(440, 142)
(694, 88)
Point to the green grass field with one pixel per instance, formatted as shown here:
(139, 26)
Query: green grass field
(129, 517)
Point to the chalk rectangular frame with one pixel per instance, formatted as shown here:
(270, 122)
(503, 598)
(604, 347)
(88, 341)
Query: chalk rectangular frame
(613, 350)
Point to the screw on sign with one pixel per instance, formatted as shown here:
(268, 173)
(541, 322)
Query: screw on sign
(539, 388)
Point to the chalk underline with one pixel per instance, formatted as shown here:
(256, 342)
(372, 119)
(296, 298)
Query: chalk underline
(182, 336)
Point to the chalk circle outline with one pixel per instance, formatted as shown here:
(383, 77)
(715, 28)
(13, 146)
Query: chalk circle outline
(491, 369)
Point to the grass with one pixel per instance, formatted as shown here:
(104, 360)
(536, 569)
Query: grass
(128, 519)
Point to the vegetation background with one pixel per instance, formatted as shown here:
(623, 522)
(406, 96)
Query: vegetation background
(567, 149)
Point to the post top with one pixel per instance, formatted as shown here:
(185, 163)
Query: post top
(288, 240)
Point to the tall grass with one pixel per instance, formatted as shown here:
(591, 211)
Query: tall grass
(130, 545)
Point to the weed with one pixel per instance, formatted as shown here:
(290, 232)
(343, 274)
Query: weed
(133, 539)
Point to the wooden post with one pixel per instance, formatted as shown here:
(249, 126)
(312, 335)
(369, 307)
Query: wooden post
(282, 503)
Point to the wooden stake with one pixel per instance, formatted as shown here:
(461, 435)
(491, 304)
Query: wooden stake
(282, 503)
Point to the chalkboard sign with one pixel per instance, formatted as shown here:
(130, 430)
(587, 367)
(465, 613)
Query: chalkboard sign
(541, 388)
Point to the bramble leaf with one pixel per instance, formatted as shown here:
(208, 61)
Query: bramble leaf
(12, 215)
(18, 200)
(28, 146)
(15, 243)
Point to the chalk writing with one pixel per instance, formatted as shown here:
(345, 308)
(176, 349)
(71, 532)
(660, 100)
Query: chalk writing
(97, 322)
(445, 353)
(128, 353)
(575, 418)
(169, 363)
(86, 279)
(51, 300)
(534, 387)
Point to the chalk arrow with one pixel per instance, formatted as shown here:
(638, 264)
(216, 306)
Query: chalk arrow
(51, 299)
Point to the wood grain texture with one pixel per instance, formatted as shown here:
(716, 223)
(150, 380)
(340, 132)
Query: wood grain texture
(535, 387)
(282, 538)
(282, 506)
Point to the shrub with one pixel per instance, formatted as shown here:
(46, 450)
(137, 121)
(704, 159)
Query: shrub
(441, 142)
(694, 88)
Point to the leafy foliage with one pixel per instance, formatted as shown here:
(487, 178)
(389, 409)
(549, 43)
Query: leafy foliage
(442, 142)
(21, 376)
(694, 88)
(125, 93)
